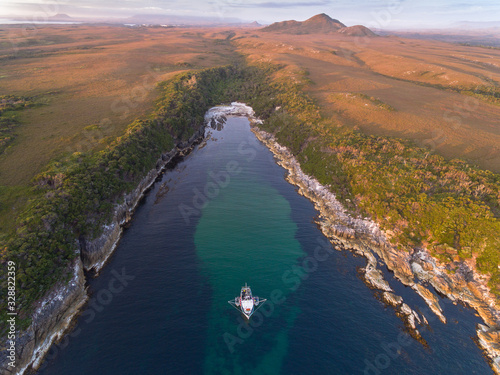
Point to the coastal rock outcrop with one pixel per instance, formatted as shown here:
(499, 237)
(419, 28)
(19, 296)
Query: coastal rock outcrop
(489, 340)
(412, 267)
(51, 318)
(375, 278)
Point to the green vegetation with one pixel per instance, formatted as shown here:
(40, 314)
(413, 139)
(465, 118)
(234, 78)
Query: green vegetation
(469, 44)
(375, 101)
(488, 93)
(360, 98)
(12, 198)
(9, 105)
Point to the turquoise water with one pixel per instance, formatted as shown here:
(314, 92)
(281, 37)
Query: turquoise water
(240, 240)
(224, 216)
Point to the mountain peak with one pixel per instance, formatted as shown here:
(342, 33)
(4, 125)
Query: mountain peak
(323, 19)
(321, 16)
(319, 24)
(60, 16)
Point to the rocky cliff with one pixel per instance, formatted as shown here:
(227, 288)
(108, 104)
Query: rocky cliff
(54, 313)
(96, 251)
(51, 318)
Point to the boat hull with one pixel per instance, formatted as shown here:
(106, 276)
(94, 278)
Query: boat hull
(246, 303)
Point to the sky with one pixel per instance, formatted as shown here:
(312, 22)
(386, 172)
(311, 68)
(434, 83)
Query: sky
(382, 14)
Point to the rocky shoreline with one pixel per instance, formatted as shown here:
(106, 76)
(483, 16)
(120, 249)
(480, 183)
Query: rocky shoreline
(95, 252)
(416, 268)
(51, 319)
(55, 312)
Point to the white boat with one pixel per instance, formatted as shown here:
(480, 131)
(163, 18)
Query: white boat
(246, 302)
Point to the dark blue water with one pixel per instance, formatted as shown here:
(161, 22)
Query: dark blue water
(225, 216)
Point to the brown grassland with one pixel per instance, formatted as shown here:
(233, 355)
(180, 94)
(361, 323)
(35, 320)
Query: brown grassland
(397, 87)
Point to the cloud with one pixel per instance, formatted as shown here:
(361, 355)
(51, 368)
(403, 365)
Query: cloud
(276, 5)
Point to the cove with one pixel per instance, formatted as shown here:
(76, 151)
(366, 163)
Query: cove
(246, 234)
(225, 216)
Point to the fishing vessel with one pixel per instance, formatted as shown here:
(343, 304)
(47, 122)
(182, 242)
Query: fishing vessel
(246, 302)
